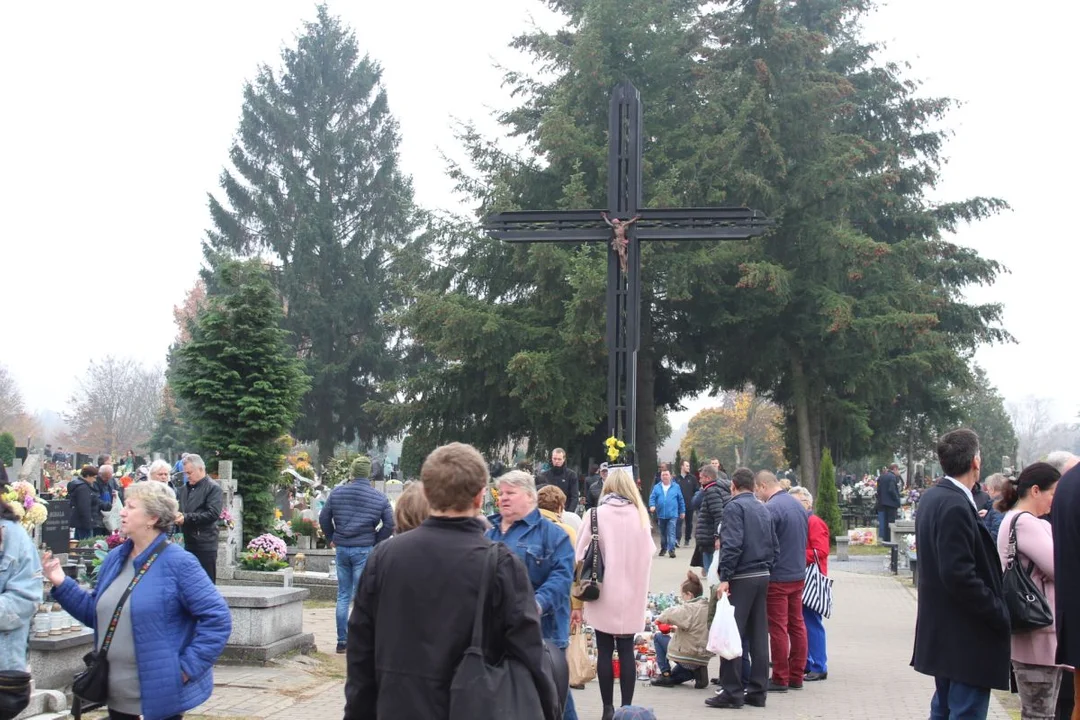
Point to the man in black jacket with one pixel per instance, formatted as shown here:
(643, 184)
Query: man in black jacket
(85, 511)
(713, 497)
(561, 477)
(594, 487)
(410, 629)
(201, 501)
(888, 501)
(689, 485)
(962, 632)
(748, 551)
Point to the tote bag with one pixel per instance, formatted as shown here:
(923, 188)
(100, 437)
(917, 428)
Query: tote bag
(817, 592)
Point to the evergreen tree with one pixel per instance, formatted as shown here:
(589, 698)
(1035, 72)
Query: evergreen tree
(827, 500)
(982, 409)
(241, 383)
(315, 185)
(695, 464)
(171, 435)
(7, 448)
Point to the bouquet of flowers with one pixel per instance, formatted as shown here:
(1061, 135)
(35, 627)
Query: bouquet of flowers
(114, 540)
(23, 499)
(226, 519)
(614, 448)
(265, 552)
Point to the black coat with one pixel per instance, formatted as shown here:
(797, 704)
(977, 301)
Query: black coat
(713, 499)
(593, 485)
(201, 505)
(85, 511)
(962, 631)
(1065, 519)
(413, 615)
(567, 481)
(888, 491)
(689, 485)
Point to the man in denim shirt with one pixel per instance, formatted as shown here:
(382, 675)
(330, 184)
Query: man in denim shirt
(547, 553)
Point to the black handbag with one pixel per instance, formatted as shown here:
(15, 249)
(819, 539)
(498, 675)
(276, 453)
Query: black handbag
(590, 571)
(14, 693)
(479, 691)
(1028, 608)
(92, 684)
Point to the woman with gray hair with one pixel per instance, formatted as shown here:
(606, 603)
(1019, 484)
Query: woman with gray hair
(817, 551)
(150, 594)
(160, 471)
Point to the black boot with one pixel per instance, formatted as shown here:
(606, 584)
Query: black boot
(609, 712)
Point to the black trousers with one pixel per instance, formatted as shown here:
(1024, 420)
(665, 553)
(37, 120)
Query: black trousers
(748, 596)
(687, 526)
(208, 560)
(117, 715)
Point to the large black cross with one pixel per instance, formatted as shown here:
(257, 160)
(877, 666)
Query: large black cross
(624, 287)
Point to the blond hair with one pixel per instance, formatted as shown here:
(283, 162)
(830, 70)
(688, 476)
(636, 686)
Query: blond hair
(411, 509)
(157, 500)
(619, 482)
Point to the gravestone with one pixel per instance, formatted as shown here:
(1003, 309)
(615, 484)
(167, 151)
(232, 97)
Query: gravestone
(55, 531)
(230, 540)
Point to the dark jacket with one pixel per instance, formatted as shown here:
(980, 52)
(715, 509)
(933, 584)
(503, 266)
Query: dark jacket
(201, 505)
(748, 543)
(689, 485)
(593, 485)
(563, 478)
(353, 511)
(1065, 520)
(85, 512)
(714, 496)
(992, 521)
(962, 629)
(888, 491)
(791, 523)
(409, 629)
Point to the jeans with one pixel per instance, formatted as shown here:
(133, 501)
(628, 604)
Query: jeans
(350, 565)
(957, 701)
(706, 558)
(84, 533)
(787, 633)
(678, 673)
(668, 538)
(816, 658)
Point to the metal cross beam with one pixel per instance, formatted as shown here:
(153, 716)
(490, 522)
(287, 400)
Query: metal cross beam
(624, 287)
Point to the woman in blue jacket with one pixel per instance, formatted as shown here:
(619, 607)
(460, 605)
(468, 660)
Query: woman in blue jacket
(174, 624)
(20, 589)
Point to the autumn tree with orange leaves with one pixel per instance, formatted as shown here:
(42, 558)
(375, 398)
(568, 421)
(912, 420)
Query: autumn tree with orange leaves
(744, 431)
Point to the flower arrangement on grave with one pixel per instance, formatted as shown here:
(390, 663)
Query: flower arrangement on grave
(301, 526)
(615, 449)
(266, 552)
(24, 501)
(113, 541)
(226, 519)
(860, 491)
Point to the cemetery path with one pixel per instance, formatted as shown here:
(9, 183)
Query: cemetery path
(870, 640)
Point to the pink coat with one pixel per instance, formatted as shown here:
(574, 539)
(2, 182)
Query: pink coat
(1035, 542)
(627, 548)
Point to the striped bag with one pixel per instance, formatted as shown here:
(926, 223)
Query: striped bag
(817, 592)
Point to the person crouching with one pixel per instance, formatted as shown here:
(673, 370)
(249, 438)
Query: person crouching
(690, 623)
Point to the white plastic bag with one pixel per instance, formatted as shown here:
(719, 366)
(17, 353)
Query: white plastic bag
(724, 637)
(713, 576)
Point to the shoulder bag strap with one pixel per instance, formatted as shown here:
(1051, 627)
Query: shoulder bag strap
(594, 574)
(491, 559)
(1015, 546)
(123, 598)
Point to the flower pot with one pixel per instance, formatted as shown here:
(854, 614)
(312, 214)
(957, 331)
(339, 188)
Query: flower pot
(303, 542)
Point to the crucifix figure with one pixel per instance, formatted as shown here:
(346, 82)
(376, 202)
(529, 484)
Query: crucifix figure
(625, 236)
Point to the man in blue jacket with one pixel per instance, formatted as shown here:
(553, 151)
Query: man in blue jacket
(669, 506)
(350, 520)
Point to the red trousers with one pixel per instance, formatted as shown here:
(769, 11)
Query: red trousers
(787, 632)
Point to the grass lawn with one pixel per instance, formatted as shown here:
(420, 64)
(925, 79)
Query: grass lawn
(868, 550)
(319, 604)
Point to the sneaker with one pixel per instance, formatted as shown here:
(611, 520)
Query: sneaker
(777, 687)
(341, 648)
(671, 553)
(814, 676)
(701, 677)
(663, 681)
(661, 553)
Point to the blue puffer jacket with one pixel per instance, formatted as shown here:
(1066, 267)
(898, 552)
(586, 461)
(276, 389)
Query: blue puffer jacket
(180, 622)
(353, 511)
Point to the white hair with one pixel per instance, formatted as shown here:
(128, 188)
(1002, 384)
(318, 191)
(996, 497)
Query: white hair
(519, 479)
(800, 492)
(157, 465)
(195, 460)
(1061, 459)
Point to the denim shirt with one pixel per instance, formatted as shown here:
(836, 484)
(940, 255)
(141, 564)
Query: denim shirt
(21, 592)
(549, 558)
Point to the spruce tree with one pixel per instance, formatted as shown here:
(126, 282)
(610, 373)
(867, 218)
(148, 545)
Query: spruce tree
(314, 184)
(241, 383)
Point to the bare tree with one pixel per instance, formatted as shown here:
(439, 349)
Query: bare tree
(1032, 421)
(11, 401)
(116, 405)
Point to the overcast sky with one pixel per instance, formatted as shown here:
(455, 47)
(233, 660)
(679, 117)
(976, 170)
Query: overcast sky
(118, 118)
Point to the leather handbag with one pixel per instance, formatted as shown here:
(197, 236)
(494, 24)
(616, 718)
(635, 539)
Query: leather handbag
(590, 571)
(1028, 608)
(92, 684)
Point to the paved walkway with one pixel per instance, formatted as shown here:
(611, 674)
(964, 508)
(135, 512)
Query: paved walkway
(870, 641)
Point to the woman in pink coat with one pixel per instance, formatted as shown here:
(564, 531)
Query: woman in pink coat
(627, 547)
(1024, 501)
